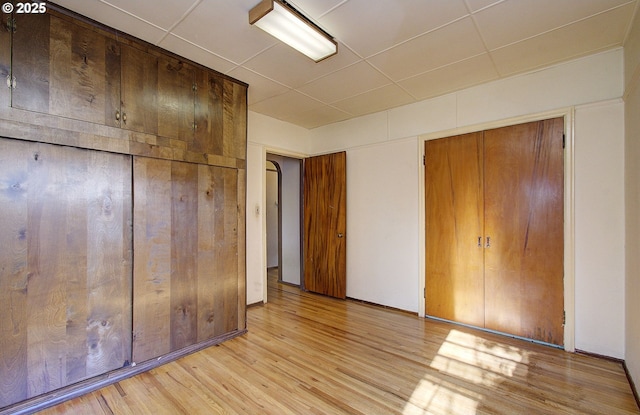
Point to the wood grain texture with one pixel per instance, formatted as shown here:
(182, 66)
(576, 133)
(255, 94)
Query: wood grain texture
(66, 69)
(139, 90)
(186, 275)
(208, 137)
(184, 250)
(13, 274)
(152, 258)
(6, 34)
(30, 62)
(234, 120)
(69, 292)
(176, 100)
(524, 217)
(454, 223)
(310, 354)
(324, 236)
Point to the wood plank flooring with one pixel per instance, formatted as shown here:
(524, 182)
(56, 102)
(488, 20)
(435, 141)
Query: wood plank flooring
(309, 354)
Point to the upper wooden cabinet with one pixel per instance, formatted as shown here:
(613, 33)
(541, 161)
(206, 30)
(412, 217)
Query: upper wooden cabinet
(71, 69)
(64, 69)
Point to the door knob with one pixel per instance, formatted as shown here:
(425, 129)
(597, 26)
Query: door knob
(340, 235)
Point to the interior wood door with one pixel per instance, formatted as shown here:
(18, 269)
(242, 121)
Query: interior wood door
(454, 228)
(65, 273)
(524, 222)
(325, 221)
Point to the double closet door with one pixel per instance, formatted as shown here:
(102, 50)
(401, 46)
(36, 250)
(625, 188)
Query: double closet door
(494, 229)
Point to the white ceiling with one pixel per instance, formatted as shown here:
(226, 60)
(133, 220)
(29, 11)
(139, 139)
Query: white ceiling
(390, 53)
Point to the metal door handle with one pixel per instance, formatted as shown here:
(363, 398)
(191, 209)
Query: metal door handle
(488, 242)
(479, 241)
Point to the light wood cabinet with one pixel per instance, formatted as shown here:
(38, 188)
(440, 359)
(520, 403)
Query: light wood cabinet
(494, 229)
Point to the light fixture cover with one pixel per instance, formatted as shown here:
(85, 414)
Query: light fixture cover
(283, 22)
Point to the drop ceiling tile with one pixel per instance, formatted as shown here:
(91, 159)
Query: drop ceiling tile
(515, 20)
(597, 33)
(476, 5)
(288, 104)
(455, 42)
(368, 28)
(114, 18)
(222, 27)
(314, 9)
(289, 67)
(352, 80)
(164, 13)
(451, 78)
(318, 117)
(197, 54)
(260, 88)
(380, 99)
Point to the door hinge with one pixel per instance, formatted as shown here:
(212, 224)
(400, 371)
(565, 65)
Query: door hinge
(424, 160)
(424, 292)
(564, 317)
(563, 140)
(11, 25)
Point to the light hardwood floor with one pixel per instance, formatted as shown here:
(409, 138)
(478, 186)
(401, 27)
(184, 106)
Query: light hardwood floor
(308, 354)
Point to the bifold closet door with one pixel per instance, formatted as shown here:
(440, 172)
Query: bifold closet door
(454, 229)
(524, 223)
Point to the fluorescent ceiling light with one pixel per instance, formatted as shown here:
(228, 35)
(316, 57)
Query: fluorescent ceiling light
(283, 22)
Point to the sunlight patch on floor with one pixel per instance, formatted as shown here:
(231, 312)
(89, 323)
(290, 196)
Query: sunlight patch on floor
(463, 363)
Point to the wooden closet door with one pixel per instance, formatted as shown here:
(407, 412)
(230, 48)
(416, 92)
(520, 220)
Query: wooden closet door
(325, 223)
(186, 222)
(524, 223)
(454, 229)
(65, 274)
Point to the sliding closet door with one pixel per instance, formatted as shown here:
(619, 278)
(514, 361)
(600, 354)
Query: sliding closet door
(65, 266)
(454, 229)
(524, 230)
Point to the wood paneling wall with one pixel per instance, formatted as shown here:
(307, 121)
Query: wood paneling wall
(65, 266)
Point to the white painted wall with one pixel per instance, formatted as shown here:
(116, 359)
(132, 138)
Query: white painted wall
(265, 134)
(600, 228)
(256, 240)
(632, 195)
(382, 236)
(383, 182)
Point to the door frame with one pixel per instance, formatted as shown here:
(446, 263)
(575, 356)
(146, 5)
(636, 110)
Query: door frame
(293, 155)
(569, 208)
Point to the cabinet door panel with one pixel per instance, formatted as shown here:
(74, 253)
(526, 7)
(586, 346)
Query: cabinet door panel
(524, 219)
(30, 62)
(208, 113)
(67, 295)
(454, 213)
(186, 247)
(176, 100)
(65, 69)
(139, 91)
